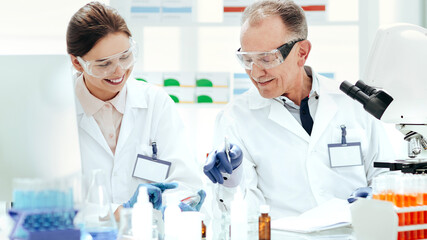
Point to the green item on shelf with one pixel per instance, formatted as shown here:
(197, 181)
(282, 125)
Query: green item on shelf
(174, 98)
(204, 83)
(141, 79)
(204, 99)
(171, 82)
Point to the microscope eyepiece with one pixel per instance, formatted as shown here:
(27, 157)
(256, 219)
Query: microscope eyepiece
(368, 90)
(373, 101)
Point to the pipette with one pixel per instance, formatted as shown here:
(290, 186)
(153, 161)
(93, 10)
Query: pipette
(227, 153)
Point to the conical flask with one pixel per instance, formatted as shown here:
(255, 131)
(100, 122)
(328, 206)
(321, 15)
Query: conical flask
(98, 218)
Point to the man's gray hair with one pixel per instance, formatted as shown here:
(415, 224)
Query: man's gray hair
(291, 14)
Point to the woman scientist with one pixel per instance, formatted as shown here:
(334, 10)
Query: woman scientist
(128, 128)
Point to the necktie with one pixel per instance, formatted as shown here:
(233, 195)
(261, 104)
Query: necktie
(306, 120)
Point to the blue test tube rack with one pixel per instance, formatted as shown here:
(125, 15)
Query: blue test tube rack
(49, 224)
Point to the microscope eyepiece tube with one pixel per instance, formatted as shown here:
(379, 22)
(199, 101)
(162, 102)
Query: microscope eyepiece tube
(368, 90)
(354, 92)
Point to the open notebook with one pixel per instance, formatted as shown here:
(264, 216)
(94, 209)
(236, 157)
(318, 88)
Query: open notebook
(332, 214)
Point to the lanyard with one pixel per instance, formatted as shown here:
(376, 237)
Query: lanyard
(343, 134)
(154, 146)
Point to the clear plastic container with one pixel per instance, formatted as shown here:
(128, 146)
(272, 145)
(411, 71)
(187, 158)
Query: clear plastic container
(125, 229)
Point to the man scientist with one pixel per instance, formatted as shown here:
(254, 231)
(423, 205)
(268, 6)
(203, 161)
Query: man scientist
(297, 141)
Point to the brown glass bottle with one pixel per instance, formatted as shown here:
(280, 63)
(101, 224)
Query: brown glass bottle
(264, 223)
(203, 230)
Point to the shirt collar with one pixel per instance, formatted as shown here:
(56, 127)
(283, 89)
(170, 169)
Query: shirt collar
(314, 92)
(119, 101)
(91, 104)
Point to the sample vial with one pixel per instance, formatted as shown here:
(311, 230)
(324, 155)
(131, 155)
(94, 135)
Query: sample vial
(203, 230)
(264, 223)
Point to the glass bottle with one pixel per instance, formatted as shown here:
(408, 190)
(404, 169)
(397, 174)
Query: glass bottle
(203, 230)
(264, 223)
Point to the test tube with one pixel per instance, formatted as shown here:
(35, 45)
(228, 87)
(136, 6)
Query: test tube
(406, 201)
(390, 192)
(378, 187)
(424, 184)
(399, 199)
(420, 214)
(412, 192)
(191, 201)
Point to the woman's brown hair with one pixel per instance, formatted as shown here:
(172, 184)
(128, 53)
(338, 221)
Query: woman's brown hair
(91, 23)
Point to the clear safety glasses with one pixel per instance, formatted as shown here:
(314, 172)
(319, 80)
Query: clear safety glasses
(266, 60)
(105, 67)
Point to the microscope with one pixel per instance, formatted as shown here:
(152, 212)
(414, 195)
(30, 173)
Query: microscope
(396, 89)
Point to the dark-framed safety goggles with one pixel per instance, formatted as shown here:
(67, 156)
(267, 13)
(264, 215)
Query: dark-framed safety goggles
(266, 60)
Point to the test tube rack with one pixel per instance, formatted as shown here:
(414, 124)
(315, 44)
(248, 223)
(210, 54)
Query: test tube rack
(50, 224)
(376, 219)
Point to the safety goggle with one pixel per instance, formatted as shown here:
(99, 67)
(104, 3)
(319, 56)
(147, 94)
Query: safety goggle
(105, 67)
(266, 60)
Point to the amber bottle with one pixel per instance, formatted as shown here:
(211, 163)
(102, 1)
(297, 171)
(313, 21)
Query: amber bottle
(264, 223)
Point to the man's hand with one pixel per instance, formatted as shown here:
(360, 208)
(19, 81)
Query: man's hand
(363, 192)
(218, 163)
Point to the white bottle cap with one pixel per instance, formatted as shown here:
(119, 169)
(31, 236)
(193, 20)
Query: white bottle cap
(264, 208)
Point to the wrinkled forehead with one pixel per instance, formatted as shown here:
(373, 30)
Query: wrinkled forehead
(263, 35)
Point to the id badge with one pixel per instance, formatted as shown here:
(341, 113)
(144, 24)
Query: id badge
(150, 169)
(345, 154)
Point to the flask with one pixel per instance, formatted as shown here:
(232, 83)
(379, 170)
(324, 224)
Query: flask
(98, 219)
(239, 217)
(142, 216)
(264, 223)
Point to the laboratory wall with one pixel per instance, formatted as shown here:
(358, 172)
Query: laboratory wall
(200, 37)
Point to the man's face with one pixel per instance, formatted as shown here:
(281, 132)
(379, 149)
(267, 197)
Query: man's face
(265, 36)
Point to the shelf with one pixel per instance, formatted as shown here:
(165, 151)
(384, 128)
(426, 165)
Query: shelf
(222, 24)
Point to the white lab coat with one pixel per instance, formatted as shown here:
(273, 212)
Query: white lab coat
(150, 115)
(286, 168)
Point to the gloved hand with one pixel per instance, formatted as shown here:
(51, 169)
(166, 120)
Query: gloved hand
(187, 208)
(363, 192)
(217, 163)
(154, 191)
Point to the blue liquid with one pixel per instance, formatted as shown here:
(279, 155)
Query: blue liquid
(103, 234)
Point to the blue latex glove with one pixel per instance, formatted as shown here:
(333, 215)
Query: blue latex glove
(187, 208)
(363, 192)
(154, 191)
(217, 162)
